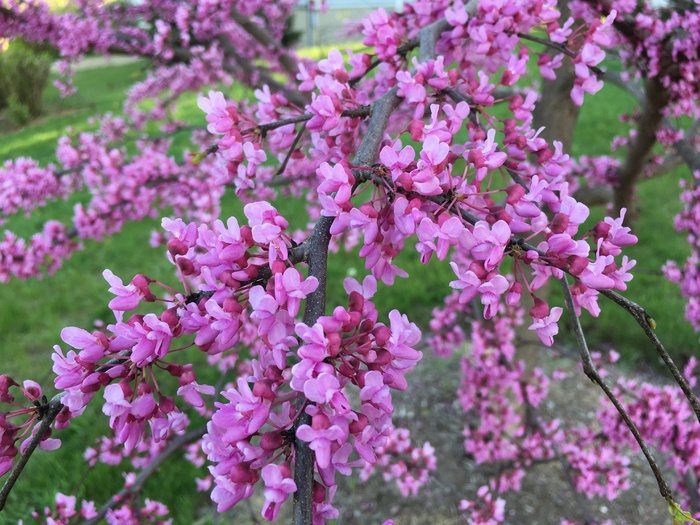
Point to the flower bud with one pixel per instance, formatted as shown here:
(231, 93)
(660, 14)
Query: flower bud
(356, 427)
(381, 334)
(271, 441)
(185, 265)
(319, 493)
(177, 247)
(540, 310)
(263, 390)
(559, 223)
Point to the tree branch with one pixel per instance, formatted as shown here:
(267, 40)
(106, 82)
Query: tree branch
(592, 373)
(561, 48)
(615, 79)
(261, 35)
(55, 407)
(685, 148)
(648, 324)
(150, 469)
(656, 98)
(362, 111)
(317, 250)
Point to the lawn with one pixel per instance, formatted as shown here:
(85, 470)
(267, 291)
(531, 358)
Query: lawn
(35, 311)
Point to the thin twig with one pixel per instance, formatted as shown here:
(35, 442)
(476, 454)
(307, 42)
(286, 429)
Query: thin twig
(556, 46)
(648, 324)
(592, 373)
(362, 111)
(402, 51)
(293, 147)
(55, 407)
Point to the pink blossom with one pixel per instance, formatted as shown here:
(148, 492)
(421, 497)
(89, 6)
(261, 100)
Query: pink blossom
(320, 441)
(290, 289)
(128, 297)
(546, 327)
(487, 243)
(278, 486)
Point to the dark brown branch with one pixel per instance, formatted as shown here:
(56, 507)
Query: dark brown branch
(592, 373)
(55, 407)
(657, 97)
(686, 148)
(648, 324)
(615, 78)
(127, 492)
(362, 111)
(316, 249)
(294, 145)
(402, 51)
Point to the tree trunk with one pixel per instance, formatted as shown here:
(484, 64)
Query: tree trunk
(555, 110)
(656, 96)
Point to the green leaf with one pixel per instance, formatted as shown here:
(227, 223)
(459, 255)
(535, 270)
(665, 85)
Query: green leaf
(199, 157)
(680, 516)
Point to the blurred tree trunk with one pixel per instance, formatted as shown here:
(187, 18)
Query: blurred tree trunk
(555, 110)
(656, 98)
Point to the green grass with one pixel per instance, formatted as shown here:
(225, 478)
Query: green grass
(35, 311)
(101, 93)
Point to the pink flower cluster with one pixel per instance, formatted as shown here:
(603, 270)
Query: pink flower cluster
(665, 420)
(399, 460)
(500, 401)
(688, 276)
(663, 47)
(475, 187)
(244, 281)
(349, 349)
(486, 510)
(66, 513)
